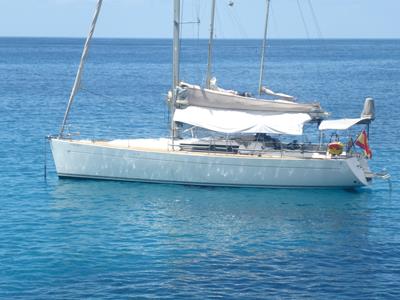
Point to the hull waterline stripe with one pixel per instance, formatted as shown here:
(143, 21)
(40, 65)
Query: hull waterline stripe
(62, 175)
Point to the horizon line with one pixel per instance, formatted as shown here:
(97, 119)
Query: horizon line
(202, 38)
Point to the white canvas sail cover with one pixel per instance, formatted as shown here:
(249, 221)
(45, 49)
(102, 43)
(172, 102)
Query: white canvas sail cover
(342, 124)
(234, 121)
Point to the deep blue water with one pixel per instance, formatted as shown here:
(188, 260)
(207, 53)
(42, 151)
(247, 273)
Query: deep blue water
(73, 239)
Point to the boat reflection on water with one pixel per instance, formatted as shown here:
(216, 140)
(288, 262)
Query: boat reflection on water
(219, 239)
(183, 212)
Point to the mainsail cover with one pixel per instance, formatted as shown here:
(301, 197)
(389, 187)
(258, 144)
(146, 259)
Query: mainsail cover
(194, 95)
(235, 121)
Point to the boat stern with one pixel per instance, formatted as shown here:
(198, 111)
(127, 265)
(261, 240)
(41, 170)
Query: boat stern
(360, 169)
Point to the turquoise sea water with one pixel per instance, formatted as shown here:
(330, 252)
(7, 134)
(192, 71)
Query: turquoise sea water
(74, 239)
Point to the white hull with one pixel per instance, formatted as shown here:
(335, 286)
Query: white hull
(85, 159)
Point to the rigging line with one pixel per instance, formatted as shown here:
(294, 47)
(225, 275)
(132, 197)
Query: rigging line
(302, 18)
(219, 25)
(181, 23)
(192, 22)
(46, 80)
(196, 11)
(195, 15)
(316, 23)
(202, 7)
(301, 66)
(96, 94)
(237, 22)
(319, 67)
(274, 22)
(197, 8)
(189, 22)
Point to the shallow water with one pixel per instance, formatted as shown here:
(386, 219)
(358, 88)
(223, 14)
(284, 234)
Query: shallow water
(94, 239)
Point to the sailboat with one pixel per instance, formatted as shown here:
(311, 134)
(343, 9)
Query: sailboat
(248, 152)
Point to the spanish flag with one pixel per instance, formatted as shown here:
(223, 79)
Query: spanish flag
(362, 142)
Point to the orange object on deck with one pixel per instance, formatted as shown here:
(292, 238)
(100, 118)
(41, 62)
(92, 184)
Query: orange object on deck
(335, 148)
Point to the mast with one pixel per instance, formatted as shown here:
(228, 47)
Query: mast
(210, 44)
(175, 63)
(78, 77)
(263, 49)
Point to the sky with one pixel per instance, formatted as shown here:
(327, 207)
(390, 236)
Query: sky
(243, 19)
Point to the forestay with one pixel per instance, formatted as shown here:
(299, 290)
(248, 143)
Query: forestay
(234, 121)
